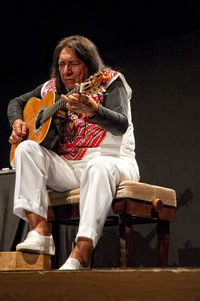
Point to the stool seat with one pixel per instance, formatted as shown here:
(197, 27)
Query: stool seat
(126, 189)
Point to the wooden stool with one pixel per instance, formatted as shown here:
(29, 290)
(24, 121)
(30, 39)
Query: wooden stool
(134, 203)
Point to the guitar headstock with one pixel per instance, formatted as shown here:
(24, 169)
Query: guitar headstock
(92, 85)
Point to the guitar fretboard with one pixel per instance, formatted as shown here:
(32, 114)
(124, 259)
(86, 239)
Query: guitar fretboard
(58, 105)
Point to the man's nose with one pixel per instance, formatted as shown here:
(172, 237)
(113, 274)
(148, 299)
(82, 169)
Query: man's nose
(68, 69)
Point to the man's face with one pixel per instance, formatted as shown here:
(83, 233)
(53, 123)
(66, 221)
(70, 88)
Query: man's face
(72, 69)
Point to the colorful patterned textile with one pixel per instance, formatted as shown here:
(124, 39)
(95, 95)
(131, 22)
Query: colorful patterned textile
(49, 86)
(80, 133)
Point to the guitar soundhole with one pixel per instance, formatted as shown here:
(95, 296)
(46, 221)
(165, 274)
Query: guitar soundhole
(39, 120)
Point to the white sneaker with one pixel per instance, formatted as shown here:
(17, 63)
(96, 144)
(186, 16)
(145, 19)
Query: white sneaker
(71, 264)
(37, 243)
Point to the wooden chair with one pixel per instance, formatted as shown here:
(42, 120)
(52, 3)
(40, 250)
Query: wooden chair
(133, 203)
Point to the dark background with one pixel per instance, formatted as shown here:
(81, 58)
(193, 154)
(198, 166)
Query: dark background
(156, 45)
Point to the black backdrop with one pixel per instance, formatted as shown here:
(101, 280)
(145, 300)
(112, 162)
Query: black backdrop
(159, 53)
(166, 94)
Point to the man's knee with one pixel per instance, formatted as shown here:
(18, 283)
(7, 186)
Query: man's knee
(27, 146)
(98, 166)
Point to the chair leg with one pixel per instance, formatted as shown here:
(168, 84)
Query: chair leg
(50, 226)
(163, 242)
(125, 230)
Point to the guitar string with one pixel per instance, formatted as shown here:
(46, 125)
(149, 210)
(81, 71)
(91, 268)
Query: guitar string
(57, 105)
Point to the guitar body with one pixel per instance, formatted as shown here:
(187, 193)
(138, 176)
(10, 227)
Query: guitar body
(31, 113)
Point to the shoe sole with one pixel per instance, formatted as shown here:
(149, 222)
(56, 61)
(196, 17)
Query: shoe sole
(44, 252)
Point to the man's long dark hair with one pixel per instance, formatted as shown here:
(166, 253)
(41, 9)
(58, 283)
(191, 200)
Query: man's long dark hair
(86, 52)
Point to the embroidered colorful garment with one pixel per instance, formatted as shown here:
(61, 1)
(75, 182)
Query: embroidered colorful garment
(49, 86)
(80, 133)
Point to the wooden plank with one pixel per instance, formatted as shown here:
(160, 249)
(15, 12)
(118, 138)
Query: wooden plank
(98, 285)
(16, 261)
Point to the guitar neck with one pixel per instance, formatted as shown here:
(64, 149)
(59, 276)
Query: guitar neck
(58, 105)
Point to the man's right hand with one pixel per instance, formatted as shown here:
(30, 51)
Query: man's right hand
(19, 131)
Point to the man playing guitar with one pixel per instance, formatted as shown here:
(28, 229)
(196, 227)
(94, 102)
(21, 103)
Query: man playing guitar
(93, 146)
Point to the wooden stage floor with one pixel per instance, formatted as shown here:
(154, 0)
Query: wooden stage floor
(111, 284)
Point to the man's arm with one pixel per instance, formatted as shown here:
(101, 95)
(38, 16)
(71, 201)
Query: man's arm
(112, 115)
(15, 115)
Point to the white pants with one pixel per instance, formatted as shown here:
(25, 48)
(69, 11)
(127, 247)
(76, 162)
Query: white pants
(37, 167)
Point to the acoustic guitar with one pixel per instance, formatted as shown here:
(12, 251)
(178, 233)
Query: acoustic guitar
(38, 113)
